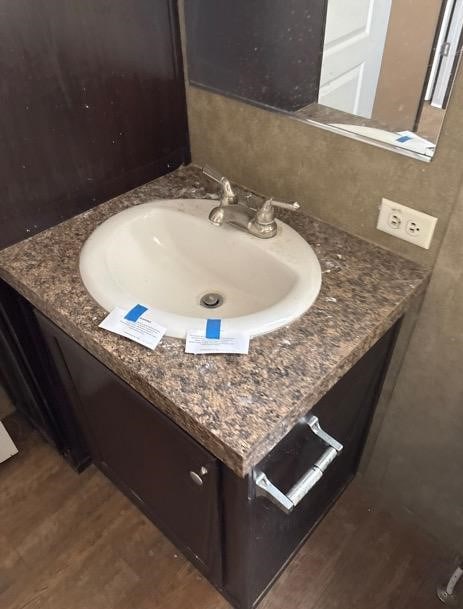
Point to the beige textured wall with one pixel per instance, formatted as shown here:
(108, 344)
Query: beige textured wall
(342, 181)
(412, 26)
(336, 178)
(418, 458)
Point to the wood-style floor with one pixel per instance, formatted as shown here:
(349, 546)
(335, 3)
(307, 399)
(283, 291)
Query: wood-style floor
(75, 542)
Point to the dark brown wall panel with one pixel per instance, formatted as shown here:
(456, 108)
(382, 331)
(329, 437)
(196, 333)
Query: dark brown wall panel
(92, 104)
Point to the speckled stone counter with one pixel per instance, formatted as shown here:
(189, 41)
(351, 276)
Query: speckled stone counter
(238, 407)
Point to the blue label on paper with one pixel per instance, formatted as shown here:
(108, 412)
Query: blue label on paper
(136, 312)
(213, 328)
(403, 139)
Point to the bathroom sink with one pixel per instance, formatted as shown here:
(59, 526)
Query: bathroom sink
(167, 256)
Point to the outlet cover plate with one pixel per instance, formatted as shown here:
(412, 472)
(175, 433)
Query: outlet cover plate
(406, 223)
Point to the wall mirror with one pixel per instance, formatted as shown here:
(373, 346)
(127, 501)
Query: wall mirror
(376, 70)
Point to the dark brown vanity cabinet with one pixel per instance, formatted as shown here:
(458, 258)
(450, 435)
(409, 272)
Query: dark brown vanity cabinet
(266, 537)
(162, 469)
(239, 538)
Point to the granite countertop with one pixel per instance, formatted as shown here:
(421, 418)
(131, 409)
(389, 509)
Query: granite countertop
(238, 407)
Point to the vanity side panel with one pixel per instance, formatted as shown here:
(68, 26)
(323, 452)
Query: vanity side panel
(273, 537)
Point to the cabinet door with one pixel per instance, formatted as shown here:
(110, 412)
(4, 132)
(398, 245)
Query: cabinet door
(143, 452)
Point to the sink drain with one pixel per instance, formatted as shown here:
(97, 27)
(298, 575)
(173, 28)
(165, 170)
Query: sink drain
(211, 300)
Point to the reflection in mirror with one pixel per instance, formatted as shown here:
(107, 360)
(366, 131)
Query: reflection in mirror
(379, 70)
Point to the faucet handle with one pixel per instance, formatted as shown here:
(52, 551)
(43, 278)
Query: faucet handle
(294, 206)
(213, 174)
(264, 224)
(265, 215)
(227, 197)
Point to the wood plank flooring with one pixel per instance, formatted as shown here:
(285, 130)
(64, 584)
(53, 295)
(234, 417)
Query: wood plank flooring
(75, 542)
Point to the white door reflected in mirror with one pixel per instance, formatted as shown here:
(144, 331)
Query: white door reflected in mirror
(389, 65)
(352, 54)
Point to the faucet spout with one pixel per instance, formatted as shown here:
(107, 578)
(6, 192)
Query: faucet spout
(237, 214)
(257, 222)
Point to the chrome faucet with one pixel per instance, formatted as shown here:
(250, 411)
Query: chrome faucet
(259, 222)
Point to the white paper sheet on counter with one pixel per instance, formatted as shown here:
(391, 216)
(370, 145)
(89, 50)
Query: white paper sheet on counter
(197, 343)
(144, 330)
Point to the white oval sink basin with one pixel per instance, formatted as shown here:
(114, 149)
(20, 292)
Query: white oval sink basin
(166, 255)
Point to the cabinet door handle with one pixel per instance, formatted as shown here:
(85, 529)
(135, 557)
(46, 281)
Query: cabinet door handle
(286, 503)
